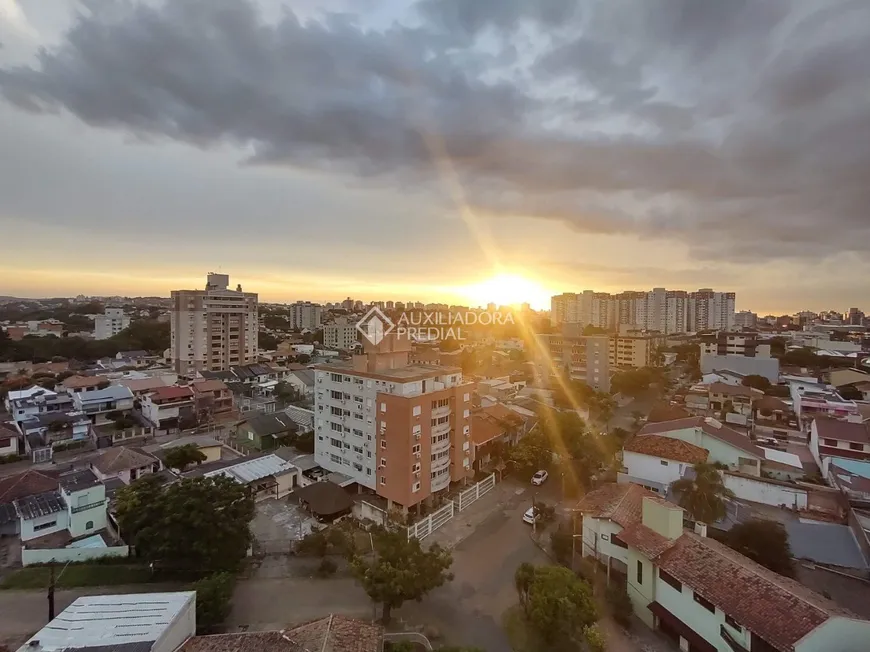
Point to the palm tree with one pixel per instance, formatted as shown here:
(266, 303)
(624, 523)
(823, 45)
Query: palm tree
(704, 495)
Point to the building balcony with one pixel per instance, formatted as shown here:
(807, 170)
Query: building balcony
(441, 482)
(441, 411)
(441, 429)
(439, 464)
(441, 446)
(82, 508)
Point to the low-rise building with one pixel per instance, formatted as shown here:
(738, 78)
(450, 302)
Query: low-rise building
(140, 622)
(99, 403)
(213, 401)
(205, 444)
(260, 432)
(167, 407)
(811, 398)
(302, 380)
(75, 384)
(8, 440)
(839, 438)
(267, 475)
(126, 464)
(656, 461)
(34, 401)
(700, 593)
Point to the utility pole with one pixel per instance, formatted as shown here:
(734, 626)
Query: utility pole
(51, 595)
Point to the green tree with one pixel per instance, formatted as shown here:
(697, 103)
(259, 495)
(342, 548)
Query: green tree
(214, 596)
(704, 495)
(523, 577)
(757, 382)
(401, 570)
(560, 606)
(561, 543)
(764, 542)
(180, 457)
(200, 524)
(531, 454)
(267, 341)
(143, 335)
(595, 638)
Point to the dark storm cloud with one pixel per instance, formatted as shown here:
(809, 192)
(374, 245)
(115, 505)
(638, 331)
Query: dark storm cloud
(741, 128)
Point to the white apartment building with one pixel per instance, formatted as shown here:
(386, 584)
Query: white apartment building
(213, 329)
(401, 430)
(661, 310)
(111, 322)
(340, 335)
(305, 315)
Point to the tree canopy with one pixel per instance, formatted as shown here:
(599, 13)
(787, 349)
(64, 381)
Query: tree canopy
(757, 382)
(197, 524)
(704, 495)
(214, 596)
(764, 542)
(557, 604)
(634, 382)
(401, 570)
(180, 457)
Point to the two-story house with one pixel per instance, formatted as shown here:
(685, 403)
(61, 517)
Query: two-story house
(655, 461)
(40, 401)
(213, 400)
(45, 431)
(839, 438)
(168, 407)
(98, 404)
(735, 400)
(708, 598)
(263, 432)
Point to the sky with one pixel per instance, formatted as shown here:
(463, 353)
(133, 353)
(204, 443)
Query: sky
(437, 150)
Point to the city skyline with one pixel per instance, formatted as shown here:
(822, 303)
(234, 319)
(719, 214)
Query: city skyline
(417, 149)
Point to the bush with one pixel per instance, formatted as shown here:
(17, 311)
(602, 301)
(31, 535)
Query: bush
(213, 600)
(595, 638)
(620, 605)
(315, 544)
(9, 459)
(326, 568)
(587, 569)
(68, 446)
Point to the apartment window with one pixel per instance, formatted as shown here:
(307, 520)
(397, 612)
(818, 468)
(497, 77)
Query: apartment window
(663, 462)
(383, 407)
(346, 445)
(709, 606)
(416, 430)
(358, 432)
(335, 411)
(335, 395)
(368, 454)
(466, 414)
(368, 471)
(619, 543)
(418, 410)
(416, 487)
(335, 426)
(639, 571)
(466, 397)
(416, 448)
(357, 416)
(444, 402)
(358, 399)
(357, 467)
(856, 447)
(830, 442)
(669, 579)
(383, 443)
(383, 461)
(732, 623)
(415, 468)
(383, 480)
(336, 378)
(335, 442)
(44, 526)
(89, 525)
(357, 449)
(346, 413)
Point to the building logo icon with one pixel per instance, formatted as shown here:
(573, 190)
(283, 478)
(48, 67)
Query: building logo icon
(375, 325)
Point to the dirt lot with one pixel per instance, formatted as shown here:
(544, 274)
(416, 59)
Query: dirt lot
(277, 523)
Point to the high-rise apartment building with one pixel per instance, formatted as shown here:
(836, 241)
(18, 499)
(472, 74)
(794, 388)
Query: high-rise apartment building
(401, 430)
(305, 315)
(111, 322)
(659, 310)
(213, 329)
(581, 357)
(745, 319)
(340, 335)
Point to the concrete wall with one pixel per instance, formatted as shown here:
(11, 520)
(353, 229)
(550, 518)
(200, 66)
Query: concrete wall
(647, 467)
(597, 536)
(43, 556)
(644, 592)
(364, 510)
(59, 521)
(181, 628)
(840, 634)
(766, 492)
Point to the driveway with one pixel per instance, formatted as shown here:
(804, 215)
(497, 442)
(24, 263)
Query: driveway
(277, 523)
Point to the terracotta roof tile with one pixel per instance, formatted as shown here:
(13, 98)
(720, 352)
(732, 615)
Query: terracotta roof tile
(621, 503)
(27, 483)
(247, 642)
(337, 634)
(779, 610)
(667, 448)
(711, 427)
(645, 539)
(669, 426)
(666, 412)
(835, 429)
(171, 392)
(114, 460)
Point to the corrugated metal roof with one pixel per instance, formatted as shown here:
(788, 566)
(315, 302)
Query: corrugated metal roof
(114, 620)
(255, 469)
(44, 504)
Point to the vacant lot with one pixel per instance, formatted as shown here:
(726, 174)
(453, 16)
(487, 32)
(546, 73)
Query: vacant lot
(38, 577)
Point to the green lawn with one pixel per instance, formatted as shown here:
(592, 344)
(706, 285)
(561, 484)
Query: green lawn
(37, 577)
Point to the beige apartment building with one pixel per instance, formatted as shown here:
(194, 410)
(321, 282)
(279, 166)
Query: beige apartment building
(401, 430)
(213, 329)
(634, 351)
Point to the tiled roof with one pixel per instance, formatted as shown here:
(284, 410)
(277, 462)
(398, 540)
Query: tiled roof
(484, 429)
(78, 382)
(645, 539)
(710, 427)
(667, 448)
(26, 483)
(337, 634)
(666, 412)
(621, 503)
(42, 504)
(247, 642)
(142, 384)
(212, 385)
(669, 426)
(779, 610)
(114, 460)
(844, 430)
(771, 403)
(166, 393)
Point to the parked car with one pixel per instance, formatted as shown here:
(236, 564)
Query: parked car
(529, 516)
(540, 477)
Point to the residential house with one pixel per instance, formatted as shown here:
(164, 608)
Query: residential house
(735, 401)
(136, 358)
(724, 444)
(723, 376)
(75, 384)
(141, 387)
(705, 596)
(655, 461)
(836, 438)
(21, 485)
(773, 416)
(8, 440)
(127, 464)
(263, 432)
(266, 474)
(208, 446)
(213, 401)
(24, 404)
(302, 417)
(92, 623)
(811, 399)
(99, 403)
(331, 634)
(43, 432)
(852, 477)
(302, 380)
(493, 427)
(851, 380)
(168, 407)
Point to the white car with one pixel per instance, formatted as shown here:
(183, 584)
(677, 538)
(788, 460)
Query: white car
(529, 516)
(540, 477)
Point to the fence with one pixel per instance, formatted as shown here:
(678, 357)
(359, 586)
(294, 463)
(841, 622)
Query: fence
(43, 556)
(436, 519)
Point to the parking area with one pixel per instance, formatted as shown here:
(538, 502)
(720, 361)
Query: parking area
(278, 523)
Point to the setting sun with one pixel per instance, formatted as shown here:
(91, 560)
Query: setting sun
(507, 289)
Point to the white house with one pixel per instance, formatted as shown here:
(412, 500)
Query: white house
(302, 380)
(656, 461)
(724, 444)
(838, 438)
(36, 401)
(126, 464)
(8, 440)
(166, 407)
(705, 596)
